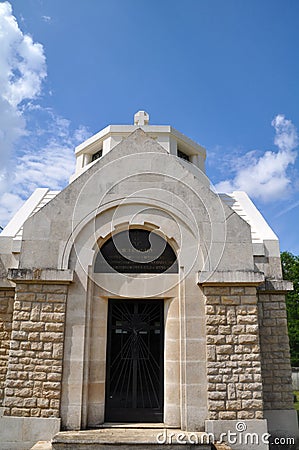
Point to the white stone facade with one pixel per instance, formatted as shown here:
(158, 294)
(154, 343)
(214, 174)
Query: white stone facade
(225, 347)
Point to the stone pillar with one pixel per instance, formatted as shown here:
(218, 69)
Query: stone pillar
(6, 308)
(33, 381)
(34, 371)
(235, 390)
(233, 353)
(276, 366)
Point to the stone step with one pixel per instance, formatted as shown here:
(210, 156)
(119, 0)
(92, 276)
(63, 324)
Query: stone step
(47, 445)
(130, 439)
(42, 445)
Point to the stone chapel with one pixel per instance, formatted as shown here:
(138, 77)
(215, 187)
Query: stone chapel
(138, 295)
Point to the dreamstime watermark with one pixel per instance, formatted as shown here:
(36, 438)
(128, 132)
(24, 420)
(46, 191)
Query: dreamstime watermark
(239, 436)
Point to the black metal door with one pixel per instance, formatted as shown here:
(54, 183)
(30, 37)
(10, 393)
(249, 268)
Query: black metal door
(134, 375)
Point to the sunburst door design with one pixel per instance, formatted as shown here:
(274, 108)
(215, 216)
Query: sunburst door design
(134, 382)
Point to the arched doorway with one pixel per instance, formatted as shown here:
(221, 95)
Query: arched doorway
(135, 329)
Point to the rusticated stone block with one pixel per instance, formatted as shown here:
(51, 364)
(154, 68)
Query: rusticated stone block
(59, 307)
(246, 320)
(224, 349)
(219, 339)
(221, 395)
(32, 326)
(35, 412)
(36, 351)
(33, 336)
(230, 300)
(24, 287)
(26, 296)
(51, 385)
(47, 307)
(55, 288)
(51, 394)
(38, 376)
(54, 327)
(217, 405)
(43, 402)
(54, 404)
(248, 339)
(57, 350)
(216, 290)
(237, 290)
(225, 329)
(245, 414)
(252, 404)
(19, 335)
(234, 405)
(49, 413)
(249, 300)
(227, 415)
(29, 402)
(210, 309)
(51, 336)
(41, 298)
(25, 392)
(211, 353)
(20, 412)
(216, 320)
(54, 377)
(21, 315)
(56, 298)
(52, 317)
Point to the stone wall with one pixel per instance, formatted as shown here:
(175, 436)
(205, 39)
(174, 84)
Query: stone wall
(233, 353)
(276, 367)
(34, 370)
(6, 308)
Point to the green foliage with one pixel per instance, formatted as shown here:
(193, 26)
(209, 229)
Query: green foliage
(290, 270)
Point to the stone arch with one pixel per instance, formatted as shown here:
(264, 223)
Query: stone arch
(86, 325)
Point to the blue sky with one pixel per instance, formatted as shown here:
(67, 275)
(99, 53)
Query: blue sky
(225, 73)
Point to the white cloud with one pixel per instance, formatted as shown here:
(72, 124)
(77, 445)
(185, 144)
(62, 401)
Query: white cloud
(288, 208)
(266, 177)
(9, 204)
(36, 144)
(47, 18)
(23, 68)
(47, 160)
(49, 165)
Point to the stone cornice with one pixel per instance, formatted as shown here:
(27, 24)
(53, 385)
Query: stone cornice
(246, 277)
(41, 276)
(275, 286)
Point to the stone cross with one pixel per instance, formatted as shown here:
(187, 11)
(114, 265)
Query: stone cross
(141, 118)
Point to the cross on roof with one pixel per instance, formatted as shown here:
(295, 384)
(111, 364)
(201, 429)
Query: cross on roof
(141, 118)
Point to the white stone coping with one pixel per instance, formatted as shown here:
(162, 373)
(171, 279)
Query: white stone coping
(135, 437)
(40, 275)
(125, 130)
(24, 212)
(246, 277)
(276, 285)
(265, 242)
(5, 284)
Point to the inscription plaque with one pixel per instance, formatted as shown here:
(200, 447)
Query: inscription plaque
(136, 251)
